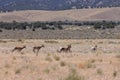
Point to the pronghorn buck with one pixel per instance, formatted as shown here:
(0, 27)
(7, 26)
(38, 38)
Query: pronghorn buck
(67, 49)
(37, 48)
(19, 49)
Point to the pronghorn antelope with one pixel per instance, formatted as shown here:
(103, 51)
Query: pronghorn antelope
(37, 48)
(94, 48)
(19, 49)
(68, 49)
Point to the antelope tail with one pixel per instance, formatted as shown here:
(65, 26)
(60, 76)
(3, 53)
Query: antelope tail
(58, 51)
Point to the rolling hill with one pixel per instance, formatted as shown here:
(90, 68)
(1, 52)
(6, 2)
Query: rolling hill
(74, 14)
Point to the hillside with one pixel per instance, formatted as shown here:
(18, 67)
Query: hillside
(74, 14)
(11, 5)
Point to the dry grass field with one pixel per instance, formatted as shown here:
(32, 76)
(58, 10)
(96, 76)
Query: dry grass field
(75, 14)
(81, 64)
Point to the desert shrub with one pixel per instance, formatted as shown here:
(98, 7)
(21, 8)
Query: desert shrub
(97, 26)
(62, 63)
(48, 54)
(92, 61)
(104, 25)
(74, 76)
(52, 41)
(3, 41)
(99, 71)
(91, 64)
(20, 40)
(14, 58)
(7, 66)
(60, 27)
(114, 73)
(100, 42)
(57, 58)
(18, 71)
(6, 72)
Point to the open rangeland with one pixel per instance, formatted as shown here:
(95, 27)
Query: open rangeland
(87, 60)
(72, 15)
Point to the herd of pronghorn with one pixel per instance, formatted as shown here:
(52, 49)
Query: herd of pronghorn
(37, 48)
